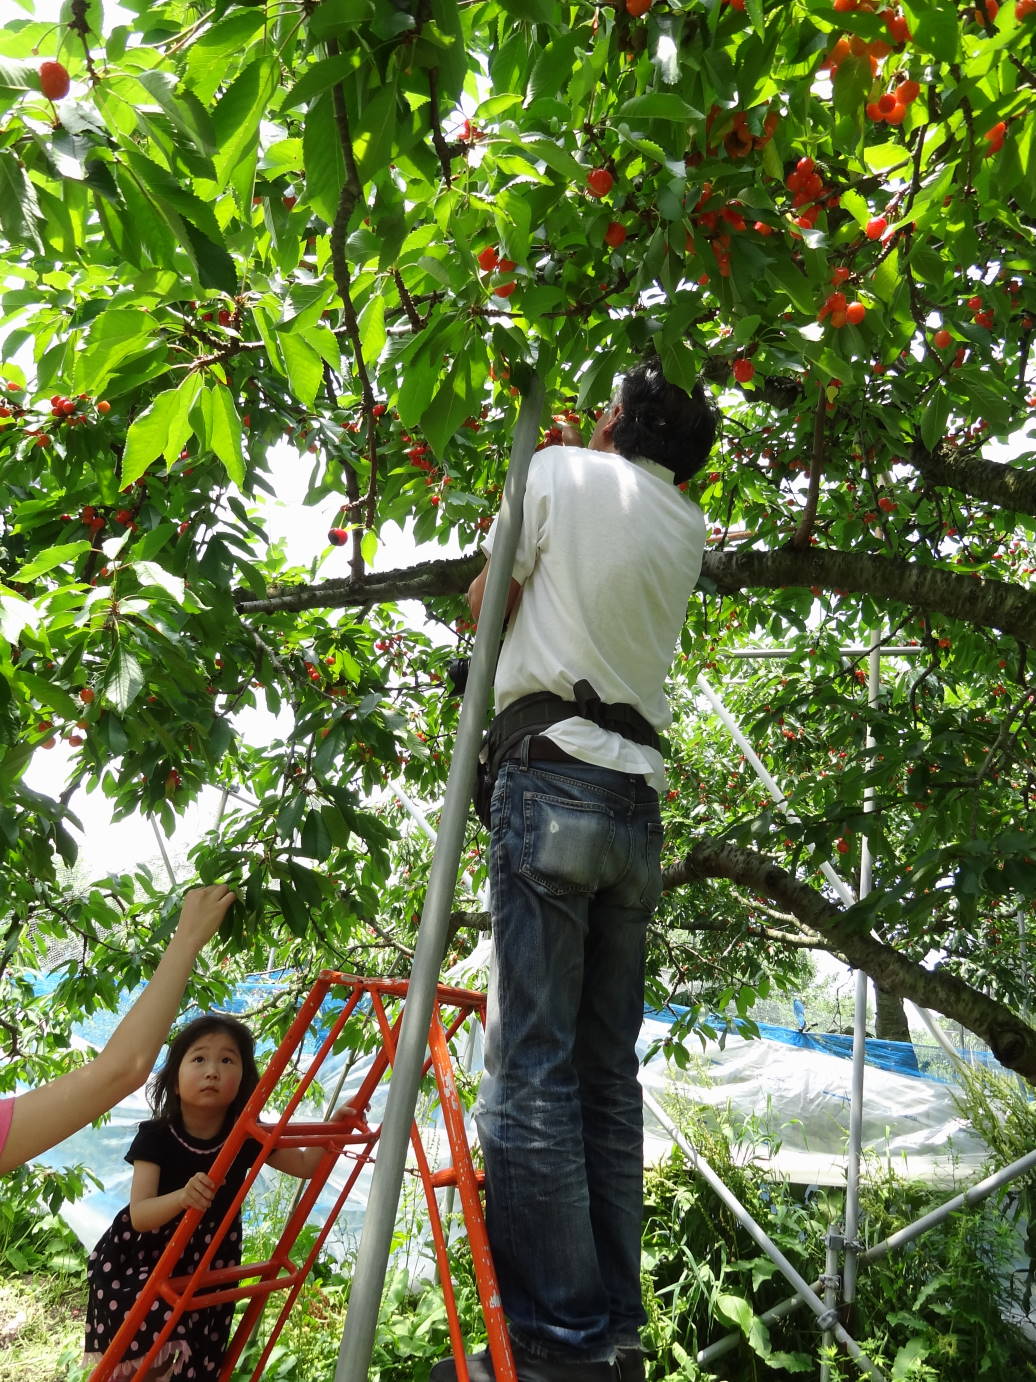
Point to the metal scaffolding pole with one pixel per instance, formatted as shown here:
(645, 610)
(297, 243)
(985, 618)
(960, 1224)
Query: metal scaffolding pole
(967, 1199)
(379, 1221)
(852, 1186)
(827, 1319)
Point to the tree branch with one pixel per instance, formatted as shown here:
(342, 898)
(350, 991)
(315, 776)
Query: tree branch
(816, 470)
(990, 604)
(1004, 485)
(1011, 1040)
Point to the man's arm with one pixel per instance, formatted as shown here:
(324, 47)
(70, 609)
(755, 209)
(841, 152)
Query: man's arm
(477, 592)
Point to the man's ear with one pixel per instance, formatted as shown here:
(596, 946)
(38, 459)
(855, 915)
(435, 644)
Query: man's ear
(612, 419)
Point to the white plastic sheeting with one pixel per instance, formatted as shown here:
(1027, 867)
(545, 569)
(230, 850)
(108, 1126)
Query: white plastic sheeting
(794, 1106)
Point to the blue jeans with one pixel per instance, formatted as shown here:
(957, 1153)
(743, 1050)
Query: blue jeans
(576, 874)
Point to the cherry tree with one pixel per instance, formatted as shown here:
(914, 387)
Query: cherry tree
(355, 231)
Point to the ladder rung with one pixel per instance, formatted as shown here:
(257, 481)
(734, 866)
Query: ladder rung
(285, 1274)
(448, 1176)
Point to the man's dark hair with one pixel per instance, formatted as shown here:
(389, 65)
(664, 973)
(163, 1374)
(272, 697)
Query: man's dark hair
(165, 1102)
(664, 423)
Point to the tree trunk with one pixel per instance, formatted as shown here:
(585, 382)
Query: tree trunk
(890, 1019)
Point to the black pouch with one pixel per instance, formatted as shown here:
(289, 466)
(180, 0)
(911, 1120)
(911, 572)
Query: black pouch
(482, 795)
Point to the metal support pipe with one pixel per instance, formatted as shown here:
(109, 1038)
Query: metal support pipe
(854, 650)
(802, 1287)
(764, 775)
(379, 1221)
(978, 1192)
(830, 1281)
(852, 1184)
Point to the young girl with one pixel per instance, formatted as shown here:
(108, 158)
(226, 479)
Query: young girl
(196, 1097)
(32, 1122)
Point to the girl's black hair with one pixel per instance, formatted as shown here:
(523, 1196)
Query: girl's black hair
(162, 1095)
(663, 422)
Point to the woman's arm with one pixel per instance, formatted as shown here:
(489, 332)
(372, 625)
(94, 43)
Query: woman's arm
(46, 1116)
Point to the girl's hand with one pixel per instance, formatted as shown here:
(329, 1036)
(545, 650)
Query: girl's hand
(198, 1192)
(202, 911)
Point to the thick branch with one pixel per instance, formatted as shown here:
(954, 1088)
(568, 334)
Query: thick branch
(450, 576)
(995, 483)
(992, 604)
(1011, 1040)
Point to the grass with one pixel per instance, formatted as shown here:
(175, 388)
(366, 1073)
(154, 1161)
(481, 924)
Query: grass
(41, 1326)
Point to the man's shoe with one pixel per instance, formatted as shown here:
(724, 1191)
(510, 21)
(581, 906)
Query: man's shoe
(480, 1369)
(529, 1369)
(630, 1363)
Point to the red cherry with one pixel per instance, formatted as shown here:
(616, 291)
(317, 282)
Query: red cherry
(599, 182)
(614, 234)
(104, 406)
(87, 695)
(875, 228)
(505, 289)
(855, 313)
(744, 371)
(942, 339)
(637, 7)
(488, 259)
(54, 81)
(338, 537)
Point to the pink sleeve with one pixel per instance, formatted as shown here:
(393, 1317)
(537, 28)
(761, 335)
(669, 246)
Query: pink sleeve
(6, 1114)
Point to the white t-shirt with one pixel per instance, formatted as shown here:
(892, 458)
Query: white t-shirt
(608, 555)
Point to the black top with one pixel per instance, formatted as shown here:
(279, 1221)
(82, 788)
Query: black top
(179, 1156)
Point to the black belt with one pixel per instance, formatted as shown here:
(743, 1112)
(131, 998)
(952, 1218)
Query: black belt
(542, 748)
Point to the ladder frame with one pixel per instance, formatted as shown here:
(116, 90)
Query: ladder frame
(257, 1282)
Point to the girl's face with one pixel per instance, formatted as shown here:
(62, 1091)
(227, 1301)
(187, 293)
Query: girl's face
(210, 1073)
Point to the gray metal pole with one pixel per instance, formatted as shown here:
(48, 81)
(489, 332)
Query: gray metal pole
(978, 1192)
(852, 1186)
(379, 1221)
(802, 1287)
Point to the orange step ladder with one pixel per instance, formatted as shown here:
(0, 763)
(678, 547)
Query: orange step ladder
(380, 1001)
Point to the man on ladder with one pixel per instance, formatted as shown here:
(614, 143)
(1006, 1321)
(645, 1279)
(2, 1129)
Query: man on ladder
(608, 555)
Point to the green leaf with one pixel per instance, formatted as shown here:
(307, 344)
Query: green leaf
(149, 573)
(305, 367)
(454, 400)
(162, 429)
(123, 679)
(16, 615)
(933, 421)
(48, 559)
(935, 28)
(339, 16)
(16, 75)
(223, 430)
(323, 159)
(165, 188)
(879, 158)
(316, 79)
(856, 207)
(659, 105)
(237, 116)
(46, 694)
(20, 215)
